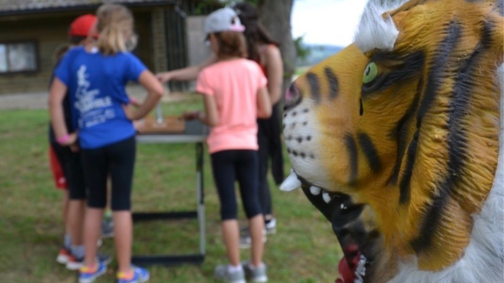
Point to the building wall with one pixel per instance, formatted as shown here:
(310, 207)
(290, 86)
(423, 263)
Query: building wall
(50, 32)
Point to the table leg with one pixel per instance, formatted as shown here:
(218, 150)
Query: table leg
(200, 196)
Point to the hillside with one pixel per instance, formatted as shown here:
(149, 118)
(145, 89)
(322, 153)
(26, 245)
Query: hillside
(317, 54)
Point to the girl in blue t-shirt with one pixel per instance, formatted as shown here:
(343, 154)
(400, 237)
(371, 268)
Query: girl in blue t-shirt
(95, 77)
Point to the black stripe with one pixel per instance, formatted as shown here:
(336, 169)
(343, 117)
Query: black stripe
(353, 158)
(457, 141)
(370, 152)
(439, 67)
(410, 67)
(400, 133)
(405, 185)
(333, 83)
(313, 80)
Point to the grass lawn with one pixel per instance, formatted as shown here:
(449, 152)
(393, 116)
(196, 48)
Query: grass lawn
(303, 250)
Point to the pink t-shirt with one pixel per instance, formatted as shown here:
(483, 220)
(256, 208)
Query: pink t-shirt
(234, 84)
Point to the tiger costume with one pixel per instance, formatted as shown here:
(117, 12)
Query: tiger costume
(398, 140)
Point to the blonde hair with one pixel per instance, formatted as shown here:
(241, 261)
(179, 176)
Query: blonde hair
(115, 26)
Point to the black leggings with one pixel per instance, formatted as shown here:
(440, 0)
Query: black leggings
(241, 165)
(118, 159)
(71, 164)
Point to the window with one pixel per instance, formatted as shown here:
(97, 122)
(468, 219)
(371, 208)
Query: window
(18, 57)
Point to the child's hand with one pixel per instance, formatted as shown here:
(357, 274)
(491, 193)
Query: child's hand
(139, 125)
(191, 115)
(135, 102)
(68, 139)
(129, 112)
(163, 77)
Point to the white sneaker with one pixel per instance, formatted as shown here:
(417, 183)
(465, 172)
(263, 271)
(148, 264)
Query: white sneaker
(246, 240)
(270, 226)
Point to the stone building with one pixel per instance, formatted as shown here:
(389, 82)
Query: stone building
(31, 30)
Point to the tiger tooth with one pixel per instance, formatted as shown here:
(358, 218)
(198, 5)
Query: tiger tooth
(314, 190)
(291, 183)
(326, 197)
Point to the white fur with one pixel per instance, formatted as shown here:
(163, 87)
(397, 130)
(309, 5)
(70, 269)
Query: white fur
(374, 30)
(309, 168)
(483, 260)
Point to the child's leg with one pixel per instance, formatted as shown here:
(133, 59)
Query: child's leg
(77, 196)
(96, 166)
(246, 172)
(55, 157)
(224, 177)
(122, 163)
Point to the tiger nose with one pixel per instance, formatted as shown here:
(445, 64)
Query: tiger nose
(292, 97)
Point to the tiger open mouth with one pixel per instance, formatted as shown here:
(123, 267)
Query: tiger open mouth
(359, 245)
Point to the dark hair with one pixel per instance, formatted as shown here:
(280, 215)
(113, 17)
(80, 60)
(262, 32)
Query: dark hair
(254, 32)
(231, 44)
(76, 40)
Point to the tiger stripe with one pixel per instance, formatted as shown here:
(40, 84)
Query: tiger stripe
(313, 81)
(370, 152)
(351, 147)
(457, 141)
(333, 82)
(400, 133)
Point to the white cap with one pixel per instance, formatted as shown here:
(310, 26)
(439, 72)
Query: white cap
(224, 19)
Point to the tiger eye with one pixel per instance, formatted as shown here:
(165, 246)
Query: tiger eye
(370, 73)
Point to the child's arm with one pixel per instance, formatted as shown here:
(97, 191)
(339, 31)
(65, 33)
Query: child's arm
(155, 91)
(274, 66)
(185, 74)
(211, 115)
(263, 103)
(56, 96)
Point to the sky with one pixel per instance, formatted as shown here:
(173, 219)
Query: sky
(331, 22)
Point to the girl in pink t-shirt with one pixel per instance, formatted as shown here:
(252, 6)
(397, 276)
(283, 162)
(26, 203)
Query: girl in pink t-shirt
(235, 95)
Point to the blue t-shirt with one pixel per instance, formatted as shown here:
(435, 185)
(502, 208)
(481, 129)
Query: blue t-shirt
(96, 85)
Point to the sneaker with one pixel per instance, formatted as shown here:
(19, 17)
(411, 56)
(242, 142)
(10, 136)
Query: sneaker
(63, 255)
(257, 274)
(88, 275)
(107, 228)
(270, 226)
(139, 275)
(75, 263)
(246, 240)
(222, 273)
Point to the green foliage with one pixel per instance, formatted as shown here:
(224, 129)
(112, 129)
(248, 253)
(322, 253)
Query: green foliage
(302, 50)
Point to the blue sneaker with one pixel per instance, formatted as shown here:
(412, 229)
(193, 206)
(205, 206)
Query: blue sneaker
(136, 275)
(89, 275)
(75, 263)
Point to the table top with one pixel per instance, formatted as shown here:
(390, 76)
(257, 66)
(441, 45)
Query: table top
(195, 132)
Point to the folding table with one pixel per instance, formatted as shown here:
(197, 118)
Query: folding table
(196, 133)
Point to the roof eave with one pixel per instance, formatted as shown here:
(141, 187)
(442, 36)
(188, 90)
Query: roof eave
(76, 8)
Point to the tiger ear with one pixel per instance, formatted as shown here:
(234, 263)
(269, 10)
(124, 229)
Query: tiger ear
(399, 17)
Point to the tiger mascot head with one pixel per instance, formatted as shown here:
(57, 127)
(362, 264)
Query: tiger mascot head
(395, 140)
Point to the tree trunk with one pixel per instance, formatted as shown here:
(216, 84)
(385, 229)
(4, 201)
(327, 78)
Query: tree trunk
(275, 15)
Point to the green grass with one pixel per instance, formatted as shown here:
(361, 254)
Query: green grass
(303, 250)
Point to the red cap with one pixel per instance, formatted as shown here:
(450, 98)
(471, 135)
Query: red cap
(82, 25)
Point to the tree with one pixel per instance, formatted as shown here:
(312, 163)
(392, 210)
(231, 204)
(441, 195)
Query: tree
(275, 15)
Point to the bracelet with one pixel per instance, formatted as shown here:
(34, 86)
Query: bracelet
(63, 139)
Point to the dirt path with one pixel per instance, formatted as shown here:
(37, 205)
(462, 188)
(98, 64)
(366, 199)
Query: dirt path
(38, 100)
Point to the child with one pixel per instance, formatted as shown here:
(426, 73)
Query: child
(95, 77)
(235, 94)
(71, 173)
